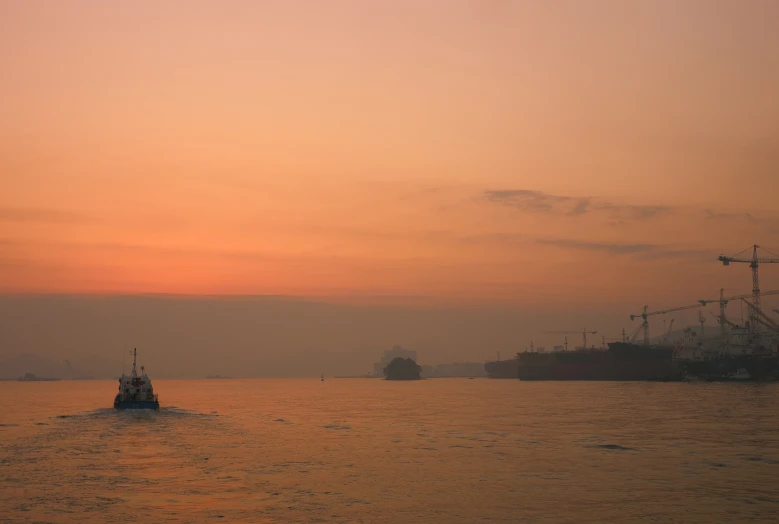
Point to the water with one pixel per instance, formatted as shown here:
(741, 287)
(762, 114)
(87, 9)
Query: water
(356, 450)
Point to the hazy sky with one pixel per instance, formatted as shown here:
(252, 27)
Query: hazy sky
(536, 153)
(271, 336)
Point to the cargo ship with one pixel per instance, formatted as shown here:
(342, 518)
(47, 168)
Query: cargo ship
(502, 368)
(136, 391)
(620, 361)
(739, 355)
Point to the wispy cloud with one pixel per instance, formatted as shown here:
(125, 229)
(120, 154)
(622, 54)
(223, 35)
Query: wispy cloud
(580, 208)
(496, 238)
(10, 214)
(644, 251)
(716, 215)
(616, 249)
(540, 202)
(633, 212)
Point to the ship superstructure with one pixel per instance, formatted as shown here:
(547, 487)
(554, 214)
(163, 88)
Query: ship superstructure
(744, 353)
(136, 391)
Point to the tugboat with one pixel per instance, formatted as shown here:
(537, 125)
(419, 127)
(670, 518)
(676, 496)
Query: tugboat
(136, 392)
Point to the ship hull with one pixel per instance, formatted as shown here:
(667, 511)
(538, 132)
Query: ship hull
(659, 372)
(623, 361)
(502, 369)
(137, 404)
(726, 369)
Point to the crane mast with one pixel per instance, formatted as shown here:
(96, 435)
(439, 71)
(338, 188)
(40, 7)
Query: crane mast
(644, 325)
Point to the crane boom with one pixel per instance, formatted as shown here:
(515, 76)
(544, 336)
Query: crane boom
(723, 321)
(737, 297)
(668, 331)
(646, 314)
(566, 332)
(723, 301)
(759, 260)
(671, 310)
(762, 317)
(634, 335)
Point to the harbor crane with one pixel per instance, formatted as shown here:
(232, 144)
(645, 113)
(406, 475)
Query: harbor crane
(583, 332)
(753, 262)
(728, 322)
(644, 316)
(723, 301)
(634, 335)
(668, 331)
(764, 319)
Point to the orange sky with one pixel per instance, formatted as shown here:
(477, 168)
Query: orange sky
(481, 150)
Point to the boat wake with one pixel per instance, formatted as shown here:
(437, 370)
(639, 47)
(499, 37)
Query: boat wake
(134, 414)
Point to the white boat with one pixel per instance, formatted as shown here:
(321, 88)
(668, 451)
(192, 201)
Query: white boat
(136, 391)
(740, 374)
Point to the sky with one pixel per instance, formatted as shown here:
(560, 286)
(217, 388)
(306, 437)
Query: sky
(473, 154)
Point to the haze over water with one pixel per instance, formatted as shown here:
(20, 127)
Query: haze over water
(357, 450)
(284, 188)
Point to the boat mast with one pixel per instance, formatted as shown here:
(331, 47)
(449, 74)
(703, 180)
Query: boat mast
(135, 374)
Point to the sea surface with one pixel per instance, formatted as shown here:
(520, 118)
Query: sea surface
(362, 450)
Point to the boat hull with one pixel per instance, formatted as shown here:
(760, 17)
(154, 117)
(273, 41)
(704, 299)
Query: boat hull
(758, 369)
(137, 404)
